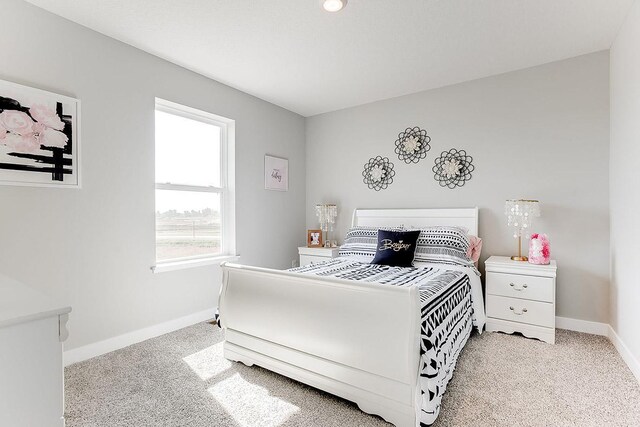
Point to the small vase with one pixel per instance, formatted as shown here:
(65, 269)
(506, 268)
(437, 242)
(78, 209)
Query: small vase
(539, 250)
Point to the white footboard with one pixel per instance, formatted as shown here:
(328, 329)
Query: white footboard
(356, 340)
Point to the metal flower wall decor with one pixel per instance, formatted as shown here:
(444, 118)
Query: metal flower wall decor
(378, 173)
(453, 168)
(412, 145)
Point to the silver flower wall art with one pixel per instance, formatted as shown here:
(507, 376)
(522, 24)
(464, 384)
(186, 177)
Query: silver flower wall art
(378, 173)
(453, 168)
(412, 145)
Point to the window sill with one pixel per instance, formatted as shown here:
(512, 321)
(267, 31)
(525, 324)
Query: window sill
(192, 263)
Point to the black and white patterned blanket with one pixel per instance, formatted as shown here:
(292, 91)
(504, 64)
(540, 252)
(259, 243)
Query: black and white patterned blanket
(448, 316)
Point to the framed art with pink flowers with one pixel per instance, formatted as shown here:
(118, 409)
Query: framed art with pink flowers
(39, 137)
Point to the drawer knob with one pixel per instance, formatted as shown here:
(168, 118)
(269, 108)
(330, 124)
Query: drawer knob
(524, 310)
(515, 288)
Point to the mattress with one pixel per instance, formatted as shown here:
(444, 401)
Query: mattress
(451, 305)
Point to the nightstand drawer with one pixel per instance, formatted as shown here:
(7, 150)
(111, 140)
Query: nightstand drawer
(520, 286)
(523, 311)
(316, 255)
(312, 259)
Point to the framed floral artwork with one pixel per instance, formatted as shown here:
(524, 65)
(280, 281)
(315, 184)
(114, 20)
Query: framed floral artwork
(276, 173)
(39, 137)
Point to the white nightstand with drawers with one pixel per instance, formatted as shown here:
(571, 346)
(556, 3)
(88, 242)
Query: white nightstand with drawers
(521, 297)
(314, 255)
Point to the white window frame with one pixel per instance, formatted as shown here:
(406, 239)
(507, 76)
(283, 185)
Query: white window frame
(226, 189)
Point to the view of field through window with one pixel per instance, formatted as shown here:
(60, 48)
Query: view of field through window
(188, 219)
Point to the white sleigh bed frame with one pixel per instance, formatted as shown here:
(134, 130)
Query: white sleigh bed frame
(357, 340)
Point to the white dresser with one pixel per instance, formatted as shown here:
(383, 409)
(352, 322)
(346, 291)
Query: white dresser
(521, 297)
(32, 329)
(313, 255)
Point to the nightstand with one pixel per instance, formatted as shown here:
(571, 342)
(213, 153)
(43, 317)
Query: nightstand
(313, 255)
(521, 297)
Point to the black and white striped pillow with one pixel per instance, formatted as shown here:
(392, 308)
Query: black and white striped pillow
(362, 242)
(444, 245)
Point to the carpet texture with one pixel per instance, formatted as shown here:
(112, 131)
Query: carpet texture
(181, 379)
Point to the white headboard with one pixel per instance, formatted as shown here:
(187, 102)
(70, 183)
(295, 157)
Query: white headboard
(417, 218)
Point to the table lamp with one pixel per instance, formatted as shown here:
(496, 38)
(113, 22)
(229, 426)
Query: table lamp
(520, 214)
(327, 214)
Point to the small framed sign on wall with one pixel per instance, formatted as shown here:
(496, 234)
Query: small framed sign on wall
(276, 173)
(39, 137)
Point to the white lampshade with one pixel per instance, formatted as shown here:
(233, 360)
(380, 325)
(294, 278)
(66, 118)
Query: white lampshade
(327, 214)
(520, 214)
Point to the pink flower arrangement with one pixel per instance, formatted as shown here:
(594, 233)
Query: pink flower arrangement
(20, 133)
(539, 249)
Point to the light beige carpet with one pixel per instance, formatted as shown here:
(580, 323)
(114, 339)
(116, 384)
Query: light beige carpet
(181, 379)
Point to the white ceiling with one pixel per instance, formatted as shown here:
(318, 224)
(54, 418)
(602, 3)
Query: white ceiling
(293, 54)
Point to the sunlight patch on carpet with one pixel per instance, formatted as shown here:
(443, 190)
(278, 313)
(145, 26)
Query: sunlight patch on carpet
(208, 363)
(251, 405)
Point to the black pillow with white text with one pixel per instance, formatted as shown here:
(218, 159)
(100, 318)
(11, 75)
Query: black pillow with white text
(396, 248)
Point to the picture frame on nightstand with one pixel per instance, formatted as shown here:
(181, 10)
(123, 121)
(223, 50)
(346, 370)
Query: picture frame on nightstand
(314, 239)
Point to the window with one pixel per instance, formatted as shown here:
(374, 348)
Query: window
(194, 184)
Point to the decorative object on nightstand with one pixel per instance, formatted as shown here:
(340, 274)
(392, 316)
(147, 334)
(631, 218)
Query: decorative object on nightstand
(521, 297)
(520, 214)
(314, 238)
(316, 254)
(539, 250)
(327, 214)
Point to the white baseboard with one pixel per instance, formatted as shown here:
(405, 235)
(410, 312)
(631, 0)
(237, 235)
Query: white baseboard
(627, 356)
(586, 326)
(101, 347)
(606, 330)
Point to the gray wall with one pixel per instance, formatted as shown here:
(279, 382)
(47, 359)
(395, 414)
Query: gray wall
(538, 133)
(541, 132)
(625, 197)
(93, 247)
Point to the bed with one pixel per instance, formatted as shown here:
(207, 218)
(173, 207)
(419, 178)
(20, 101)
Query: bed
(387, 342)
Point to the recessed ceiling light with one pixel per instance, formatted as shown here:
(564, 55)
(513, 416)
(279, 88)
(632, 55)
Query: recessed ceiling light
(333, 5)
